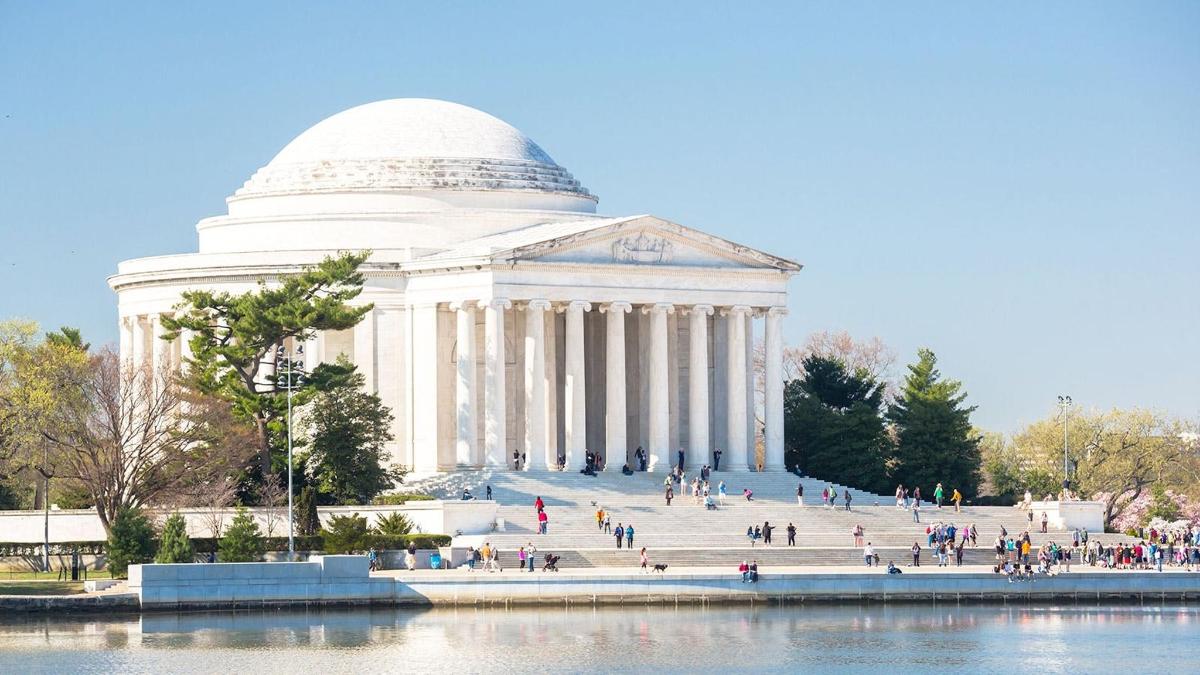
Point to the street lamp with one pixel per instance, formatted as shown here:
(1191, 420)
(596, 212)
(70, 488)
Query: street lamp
(1064, 404)
(289, 380)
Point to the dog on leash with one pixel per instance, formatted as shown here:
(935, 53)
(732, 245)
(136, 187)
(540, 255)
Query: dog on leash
(660, 568)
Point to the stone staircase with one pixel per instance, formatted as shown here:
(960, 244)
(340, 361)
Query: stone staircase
(685, 534)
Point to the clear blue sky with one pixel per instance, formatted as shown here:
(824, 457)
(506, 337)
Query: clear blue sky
(1018, 190)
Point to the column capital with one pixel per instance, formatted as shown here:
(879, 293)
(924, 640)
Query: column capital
(572, 305)
(705, 310)
(659, 308)
(777, 311)
(618, 306)
(536, 303)
(500, 303)
(458, 305)
(735, 310)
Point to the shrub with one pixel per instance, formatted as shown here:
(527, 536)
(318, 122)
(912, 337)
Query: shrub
(393, 524)
(130, 542)
(347, 534)
(307, 521)
(243, 541)
(175, 546)
(398, 499)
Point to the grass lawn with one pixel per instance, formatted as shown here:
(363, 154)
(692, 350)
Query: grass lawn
(40, 587)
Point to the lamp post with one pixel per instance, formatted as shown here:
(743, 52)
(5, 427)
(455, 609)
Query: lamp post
(289, 380)
(1064, 404)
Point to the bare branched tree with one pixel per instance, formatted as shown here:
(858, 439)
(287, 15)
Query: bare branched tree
(128, 438)
(272, 497)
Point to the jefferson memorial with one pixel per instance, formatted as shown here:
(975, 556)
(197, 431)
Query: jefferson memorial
(510, 318)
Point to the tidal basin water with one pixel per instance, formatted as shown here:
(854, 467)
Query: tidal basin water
(914, 638)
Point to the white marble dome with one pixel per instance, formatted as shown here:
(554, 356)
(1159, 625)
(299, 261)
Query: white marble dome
(408, 173)
(411, 144)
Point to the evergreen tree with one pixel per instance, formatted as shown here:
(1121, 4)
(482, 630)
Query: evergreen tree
(243, 540)
(307, 520)
(935, 440)
(175, 546)
(349, 428)
(833, 426)
(234, 336)
(130, 542)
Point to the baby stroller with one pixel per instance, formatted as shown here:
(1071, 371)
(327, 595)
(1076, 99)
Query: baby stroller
(551, 563)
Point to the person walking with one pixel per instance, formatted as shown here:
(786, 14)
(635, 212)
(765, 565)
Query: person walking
(489, 492)
(1045, 521)
(937, 495)
(916, 511)
(791, 533)
(869, 554)
(717, 459)
(607, 523)
(680, 459)
(670, 494)
(858, 533)
(721, 492)
(916, 554)
(956, 497)
(538, 504)
(543, 522)
(620, 534)
(599, 518)
(800, 494)
(846, 496)
(629, 536)
(767, 532)
(644, 559)
(522, 559)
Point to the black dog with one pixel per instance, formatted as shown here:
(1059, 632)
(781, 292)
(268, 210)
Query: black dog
(660, 567)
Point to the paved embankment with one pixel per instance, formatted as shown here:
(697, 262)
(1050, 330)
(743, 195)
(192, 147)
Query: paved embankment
(826, 585)
(71, 604)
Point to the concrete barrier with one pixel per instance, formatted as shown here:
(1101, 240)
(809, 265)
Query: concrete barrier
(335, 579)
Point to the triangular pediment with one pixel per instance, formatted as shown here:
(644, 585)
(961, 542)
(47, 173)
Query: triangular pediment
(647, 241)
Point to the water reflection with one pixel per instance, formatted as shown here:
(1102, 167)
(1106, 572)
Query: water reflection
(685, 639)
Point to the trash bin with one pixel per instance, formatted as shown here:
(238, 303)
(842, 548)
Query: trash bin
(435, 561)
(75, 564)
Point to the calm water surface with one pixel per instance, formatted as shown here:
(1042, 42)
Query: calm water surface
(942, 639)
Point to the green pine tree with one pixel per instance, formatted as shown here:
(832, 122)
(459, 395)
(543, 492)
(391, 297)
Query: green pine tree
(233, 335)
(348, 431)
(833, 427)
(243, 540)
(175, 546)
(130, 542)
(306, 518)
(936, 443)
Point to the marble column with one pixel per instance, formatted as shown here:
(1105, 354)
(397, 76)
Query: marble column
(575, 387)
(161, 349)
(536, 447)
(125, 326)
(465, 438)
(185, 349)
(495, 429)
(773, 433)
(616, 444)
(659, 375)
(312, 351)
(364, 351)
(751, 393)
(138, 331)
(737, 457)
(698, 444)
